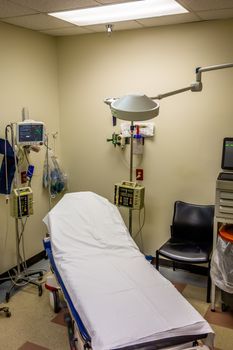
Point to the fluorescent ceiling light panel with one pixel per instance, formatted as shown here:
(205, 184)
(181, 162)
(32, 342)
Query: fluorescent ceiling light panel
(121, 12)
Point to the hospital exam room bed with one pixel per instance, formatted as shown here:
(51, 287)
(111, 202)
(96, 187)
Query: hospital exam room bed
(117, 299)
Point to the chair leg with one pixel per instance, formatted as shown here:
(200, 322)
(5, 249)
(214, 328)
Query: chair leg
(208, 285)
(157, 260)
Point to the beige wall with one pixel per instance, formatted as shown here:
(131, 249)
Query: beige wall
(28, 78)
(183, 159)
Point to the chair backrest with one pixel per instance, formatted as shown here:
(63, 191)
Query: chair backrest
(193, 222)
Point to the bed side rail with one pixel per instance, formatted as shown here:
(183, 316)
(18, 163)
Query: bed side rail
(83, 332)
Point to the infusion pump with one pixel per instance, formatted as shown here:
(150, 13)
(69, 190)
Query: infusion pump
(129, 194)
(21, 202)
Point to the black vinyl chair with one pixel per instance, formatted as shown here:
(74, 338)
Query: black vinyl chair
(191, 239)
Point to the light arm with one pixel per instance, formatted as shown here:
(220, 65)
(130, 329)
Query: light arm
(200, 70)
(197, 86)
(170, 93)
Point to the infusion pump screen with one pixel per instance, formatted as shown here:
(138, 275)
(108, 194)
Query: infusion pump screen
(31, 133)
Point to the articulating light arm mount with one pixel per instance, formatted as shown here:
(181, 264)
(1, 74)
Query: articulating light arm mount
(197, 85)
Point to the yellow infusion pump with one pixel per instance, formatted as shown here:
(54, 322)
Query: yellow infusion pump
(129, 194)
(21, 202)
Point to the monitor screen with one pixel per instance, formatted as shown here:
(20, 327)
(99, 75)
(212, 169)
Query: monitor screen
(227, 153)
(30, 133)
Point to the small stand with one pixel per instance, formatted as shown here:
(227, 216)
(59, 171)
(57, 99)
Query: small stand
(223, 213)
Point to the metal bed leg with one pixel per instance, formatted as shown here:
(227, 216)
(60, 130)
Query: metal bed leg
(213, 287)
(213, 297)
(208, 284)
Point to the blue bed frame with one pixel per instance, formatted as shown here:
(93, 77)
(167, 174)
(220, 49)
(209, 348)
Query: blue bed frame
(81, 327)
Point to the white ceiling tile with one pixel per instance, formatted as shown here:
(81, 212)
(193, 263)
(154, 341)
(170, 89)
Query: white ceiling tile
(9, 9)
(216, 14)
(37, 22)
(32, 14)
(201, 5)
(165, 20)
(56, 5)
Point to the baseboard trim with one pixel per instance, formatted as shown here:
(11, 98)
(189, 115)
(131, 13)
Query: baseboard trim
(33, 260)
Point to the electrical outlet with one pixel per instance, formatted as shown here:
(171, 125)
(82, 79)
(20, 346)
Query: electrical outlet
(23, 177)
(139, 174)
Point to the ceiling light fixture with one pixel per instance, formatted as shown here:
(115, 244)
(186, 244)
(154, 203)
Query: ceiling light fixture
(109, 28)
(120, 12)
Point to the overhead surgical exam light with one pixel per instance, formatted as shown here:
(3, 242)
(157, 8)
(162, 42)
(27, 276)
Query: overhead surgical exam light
(138, 107)
(133, 107)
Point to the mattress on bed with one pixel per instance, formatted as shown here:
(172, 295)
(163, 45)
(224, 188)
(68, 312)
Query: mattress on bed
(121, 298)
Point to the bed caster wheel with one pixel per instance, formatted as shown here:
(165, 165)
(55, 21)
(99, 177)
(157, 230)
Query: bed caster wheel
(7, 297)
(40, 291)
(55, 301)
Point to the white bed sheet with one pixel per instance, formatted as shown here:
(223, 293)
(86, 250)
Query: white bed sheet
(120, 297)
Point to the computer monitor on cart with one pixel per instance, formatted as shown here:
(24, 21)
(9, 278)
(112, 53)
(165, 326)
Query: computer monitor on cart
(227, 154)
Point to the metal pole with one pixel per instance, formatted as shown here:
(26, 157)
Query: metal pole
(17, 246)
(131, 172)
(213, 287)
(48, 171)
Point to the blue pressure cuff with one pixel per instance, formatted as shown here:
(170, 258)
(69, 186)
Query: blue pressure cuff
(9, 162)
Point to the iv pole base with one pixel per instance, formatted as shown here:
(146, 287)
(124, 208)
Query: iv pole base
(22, 275)
(23, 279)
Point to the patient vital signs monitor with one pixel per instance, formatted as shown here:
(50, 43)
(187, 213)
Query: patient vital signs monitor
(30, 132)
(129, 194)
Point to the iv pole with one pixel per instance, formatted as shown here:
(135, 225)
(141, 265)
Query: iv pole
(134, 107)
(131, 174)
(22, 275)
